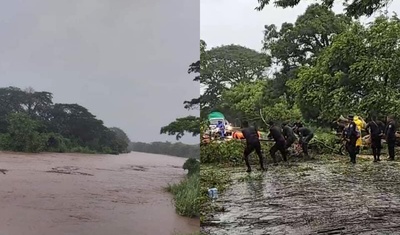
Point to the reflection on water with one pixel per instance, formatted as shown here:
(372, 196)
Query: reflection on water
(90, 194)
(310, 198)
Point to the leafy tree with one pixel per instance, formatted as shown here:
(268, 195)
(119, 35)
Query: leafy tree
(192, 165)
(244, 100)
(22, 134)
(181, 125)
(226, 66)
(121, 139)
(35, 103)
(356, 74)
(299, 44)
(353, 8)
(52, 127)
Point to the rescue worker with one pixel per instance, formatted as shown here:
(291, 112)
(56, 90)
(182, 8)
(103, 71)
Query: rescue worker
(351, 135)
(390, 134)
(305, 135)
(252, 143)
(289, 135)
(360, 124)
(221, 128)
(280, 143)
(375, 130)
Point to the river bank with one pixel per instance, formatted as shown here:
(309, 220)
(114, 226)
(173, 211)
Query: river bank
(52, 193)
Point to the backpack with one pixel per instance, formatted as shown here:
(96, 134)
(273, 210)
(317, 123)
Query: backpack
(347, 130)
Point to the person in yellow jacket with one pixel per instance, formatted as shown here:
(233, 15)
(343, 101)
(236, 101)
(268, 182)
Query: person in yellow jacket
(360, 123)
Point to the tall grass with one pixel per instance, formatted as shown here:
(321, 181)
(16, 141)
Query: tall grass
(186, 195)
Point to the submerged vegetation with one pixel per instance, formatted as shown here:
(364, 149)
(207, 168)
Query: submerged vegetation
(31, 122)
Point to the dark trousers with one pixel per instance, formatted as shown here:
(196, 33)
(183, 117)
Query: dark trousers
(289, 142)
(278, 146)
(391, 145)
(304, 143)
(376, 146)
(352, 149)
(251, 146)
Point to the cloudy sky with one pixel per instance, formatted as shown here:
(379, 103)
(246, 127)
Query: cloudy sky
(225, 22)
(126, 61)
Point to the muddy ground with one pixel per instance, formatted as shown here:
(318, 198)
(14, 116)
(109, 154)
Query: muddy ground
(80, 194)
(323, 196)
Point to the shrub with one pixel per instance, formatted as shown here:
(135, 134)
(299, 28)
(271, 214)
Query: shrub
(186, 196)
(192, 165)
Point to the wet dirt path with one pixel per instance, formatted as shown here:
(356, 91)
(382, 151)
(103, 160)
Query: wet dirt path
(81, 194)
(329, 197)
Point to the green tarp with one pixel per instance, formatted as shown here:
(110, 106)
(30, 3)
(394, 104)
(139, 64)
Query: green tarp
(214, 115)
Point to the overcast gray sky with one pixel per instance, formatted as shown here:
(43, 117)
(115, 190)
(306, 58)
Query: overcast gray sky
(126, 61)
(225, 22)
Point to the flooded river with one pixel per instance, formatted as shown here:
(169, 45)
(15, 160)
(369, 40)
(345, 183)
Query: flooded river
(78, 194)
(329, 197)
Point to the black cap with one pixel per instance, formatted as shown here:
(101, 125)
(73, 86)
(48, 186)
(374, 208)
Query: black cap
(350, 117)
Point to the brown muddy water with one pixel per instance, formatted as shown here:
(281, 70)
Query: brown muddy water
(78, 194)
(323, 197)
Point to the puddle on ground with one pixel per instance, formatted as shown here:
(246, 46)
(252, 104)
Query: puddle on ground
(311, 198)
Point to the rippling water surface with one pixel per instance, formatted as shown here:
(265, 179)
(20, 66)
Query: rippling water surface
(82, 194)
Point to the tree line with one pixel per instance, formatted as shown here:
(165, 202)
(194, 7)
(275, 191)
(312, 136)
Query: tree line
(328, 65)
(31, 122)
(167, 148)
(317, 68)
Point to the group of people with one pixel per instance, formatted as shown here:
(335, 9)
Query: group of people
(376, 130)
(284, 137)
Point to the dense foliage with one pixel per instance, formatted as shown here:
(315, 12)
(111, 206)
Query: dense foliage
(167, 148)
(354, 8)
(328, 65)
(30, 122)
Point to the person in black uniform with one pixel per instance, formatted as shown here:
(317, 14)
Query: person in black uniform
(375, 129)
(289, 135)
(280, 143)
(351, 139)
(250, 133)
(390, 134)
(305, 135)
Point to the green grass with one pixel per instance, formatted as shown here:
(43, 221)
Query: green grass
(186, 195)
(212, 176)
